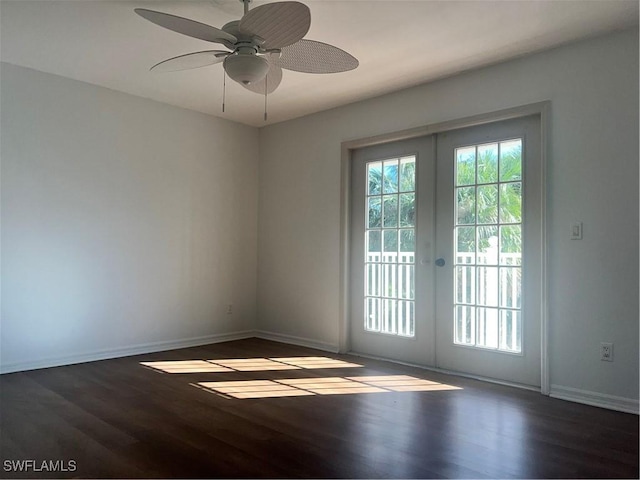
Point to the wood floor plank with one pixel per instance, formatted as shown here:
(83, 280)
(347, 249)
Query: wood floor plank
(121, 419)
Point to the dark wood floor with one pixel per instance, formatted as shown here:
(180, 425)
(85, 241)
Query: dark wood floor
(117, 418)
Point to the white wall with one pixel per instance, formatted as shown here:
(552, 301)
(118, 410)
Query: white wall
(127, 225)
(592, 177)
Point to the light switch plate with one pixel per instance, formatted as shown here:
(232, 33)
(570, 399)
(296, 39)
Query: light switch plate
(575, 231)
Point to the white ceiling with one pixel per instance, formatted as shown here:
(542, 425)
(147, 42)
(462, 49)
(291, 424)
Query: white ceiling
(399, 43)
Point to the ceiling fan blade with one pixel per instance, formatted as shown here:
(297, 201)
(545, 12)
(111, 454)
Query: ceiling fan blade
(272, 81)
(191, 60)
(309, 56)
(278, 24)
(191, 28)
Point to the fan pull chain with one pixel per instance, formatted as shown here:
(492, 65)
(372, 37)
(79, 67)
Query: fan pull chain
(266, 87)
(224, 87)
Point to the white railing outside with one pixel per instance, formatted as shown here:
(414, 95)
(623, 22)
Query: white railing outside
(391, 257)
(390, 280)
(480, 283)
(496, 289)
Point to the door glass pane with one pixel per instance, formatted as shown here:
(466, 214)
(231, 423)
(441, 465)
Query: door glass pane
(488, 163)
(406, 288)
(372, 314)
(511, 202)
(511, 160)
(465, 166)
(408, 174)
(465, 325)
(390, 246)
(373, 245)
(407, 209)
(511, 287)
(390, 239)
(374, 176)
(511, 245)
(488, 246)
(487, 286)
(374, 208)
(389, 316)
(406, 318)
(407, 245)
(466, 205)
(487, 198)
(390, 176)
(465, 285)
(390, 280)
(465, 245)
(510, 330)
(487, 327)
(390, 211)
(373, 279)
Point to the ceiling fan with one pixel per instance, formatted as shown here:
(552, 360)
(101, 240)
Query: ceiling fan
(267, 39)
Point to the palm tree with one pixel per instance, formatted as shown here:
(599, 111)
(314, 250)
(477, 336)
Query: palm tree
(391, 198)
(487, 196)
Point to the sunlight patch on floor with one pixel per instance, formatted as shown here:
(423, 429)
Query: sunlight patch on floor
(253, 389)
(187, 366)
(254, 364)
(404, 383)
(331, 385)
(316, 362)
(248, 364)
(323, 386)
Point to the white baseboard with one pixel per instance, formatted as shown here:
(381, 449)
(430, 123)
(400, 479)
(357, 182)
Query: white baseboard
(610, 402)
(602, 400)
(124, 351)
(450, 372)
(302, 342)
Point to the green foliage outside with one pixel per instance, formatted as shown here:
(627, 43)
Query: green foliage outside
(479, 205)
(393, 205)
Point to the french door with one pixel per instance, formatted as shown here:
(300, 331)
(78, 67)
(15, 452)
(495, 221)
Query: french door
(446, 251)
(392, 233)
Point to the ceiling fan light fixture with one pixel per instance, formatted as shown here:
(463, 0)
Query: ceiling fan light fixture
(246, 69)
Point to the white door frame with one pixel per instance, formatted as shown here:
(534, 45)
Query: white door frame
(542, 110)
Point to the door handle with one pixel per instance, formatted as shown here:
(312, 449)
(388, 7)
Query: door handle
(440, 262)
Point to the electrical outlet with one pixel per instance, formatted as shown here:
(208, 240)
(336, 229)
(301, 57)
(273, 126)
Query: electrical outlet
(229, 309)
(606, 352)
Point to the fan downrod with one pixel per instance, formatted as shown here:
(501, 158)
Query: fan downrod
(246, 5)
